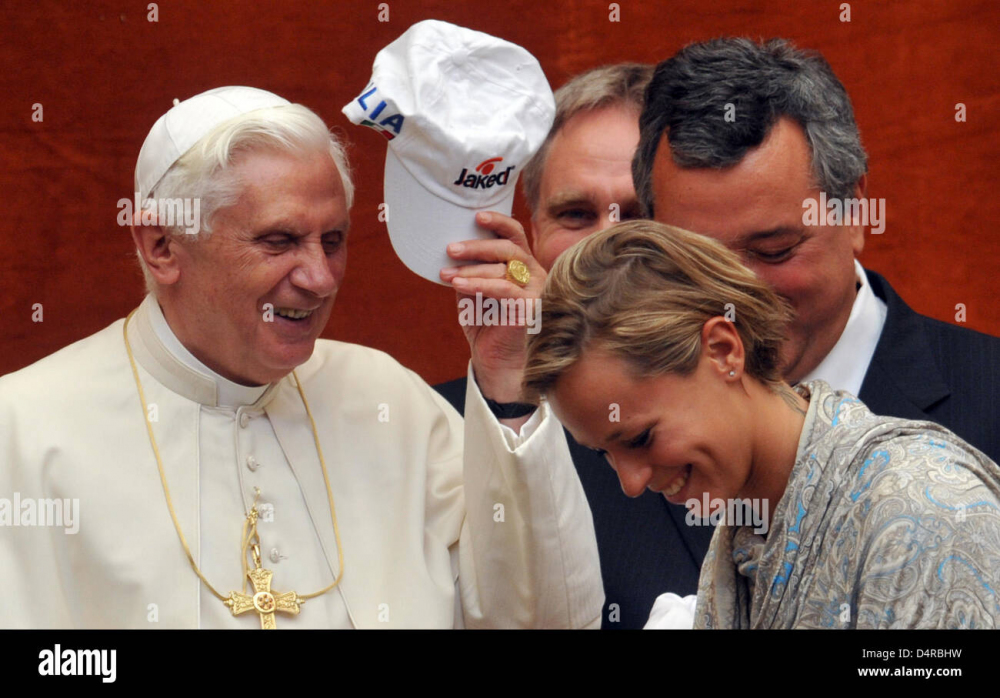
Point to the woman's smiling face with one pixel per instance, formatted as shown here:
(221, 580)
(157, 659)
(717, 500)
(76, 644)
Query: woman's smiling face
(678, 435)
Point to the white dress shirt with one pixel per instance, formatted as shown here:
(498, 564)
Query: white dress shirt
(845, 366)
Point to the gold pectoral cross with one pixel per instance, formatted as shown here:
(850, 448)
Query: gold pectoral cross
(264, 601)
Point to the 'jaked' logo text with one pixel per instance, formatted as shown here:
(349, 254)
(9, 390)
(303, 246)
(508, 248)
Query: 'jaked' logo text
(483, 180)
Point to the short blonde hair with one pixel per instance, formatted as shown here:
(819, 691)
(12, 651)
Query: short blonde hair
(617, 85)
(643, 291)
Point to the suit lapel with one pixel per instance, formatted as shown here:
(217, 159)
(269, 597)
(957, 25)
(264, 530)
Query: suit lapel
(903, 379)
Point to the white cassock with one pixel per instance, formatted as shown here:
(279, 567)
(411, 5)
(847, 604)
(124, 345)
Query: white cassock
(501, 536)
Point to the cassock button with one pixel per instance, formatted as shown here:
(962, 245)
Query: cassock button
(252, 463)
(244, 419)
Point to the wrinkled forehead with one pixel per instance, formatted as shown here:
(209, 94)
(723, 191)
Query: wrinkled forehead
(783, 161)
(608, 133)
(593, 144)
(762, 192)
(298, 191)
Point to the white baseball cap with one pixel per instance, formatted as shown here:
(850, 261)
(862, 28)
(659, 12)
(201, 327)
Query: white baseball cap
(188, 122)
(463, 113)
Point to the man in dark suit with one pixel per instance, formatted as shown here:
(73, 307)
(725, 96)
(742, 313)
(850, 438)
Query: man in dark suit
(581, 182)
(927, 369)
(756, 145)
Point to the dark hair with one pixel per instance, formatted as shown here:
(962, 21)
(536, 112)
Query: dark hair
(690, 95)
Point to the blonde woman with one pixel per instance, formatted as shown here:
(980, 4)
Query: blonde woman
(659, 349)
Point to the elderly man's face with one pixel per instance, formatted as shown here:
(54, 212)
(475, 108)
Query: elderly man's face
(755, 208)
(282, 246)
(588, 170)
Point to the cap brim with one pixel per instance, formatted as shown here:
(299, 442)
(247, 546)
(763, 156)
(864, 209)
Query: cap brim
(422, 225)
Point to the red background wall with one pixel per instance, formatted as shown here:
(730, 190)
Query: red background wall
(104, 74)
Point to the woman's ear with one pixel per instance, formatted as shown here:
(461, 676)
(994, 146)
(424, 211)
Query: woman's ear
(722, 346)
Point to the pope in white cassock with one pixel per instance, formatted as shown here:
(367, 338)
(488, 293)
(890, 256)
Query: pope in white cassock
(234, 471)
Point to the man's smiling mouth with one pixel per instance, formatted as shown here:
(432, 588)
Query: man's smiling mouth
(293, 313)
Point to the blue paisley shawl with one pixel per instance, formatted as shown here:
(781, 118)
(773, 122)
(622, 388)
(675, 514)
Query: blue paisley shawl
(885, 523)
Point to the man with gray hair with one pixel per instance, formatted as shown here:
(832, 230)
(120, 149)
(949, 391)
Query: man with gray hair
(214, 406)
(580, 180)
(755, 144)
(578, 183)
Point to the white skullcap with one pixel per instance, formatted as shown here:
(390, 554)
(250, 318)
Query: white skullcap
(188, 122)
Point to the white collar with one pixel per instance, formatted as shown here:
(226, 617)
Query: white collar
(226, 392)
(845, 366)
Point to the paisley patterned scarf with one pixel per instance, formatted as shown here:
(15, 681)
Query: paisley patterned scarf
(885, 523)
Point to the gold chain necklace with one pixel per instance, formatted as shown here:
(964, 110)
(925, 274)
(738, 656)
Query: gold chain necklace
(264, 601)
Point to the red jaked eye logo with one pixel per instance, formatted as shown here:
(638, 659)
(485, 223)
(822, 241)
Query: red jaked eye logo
(485, 179)
(486, 166)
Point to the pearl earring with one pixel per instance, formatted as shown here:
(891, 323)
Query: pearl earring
(732, 373)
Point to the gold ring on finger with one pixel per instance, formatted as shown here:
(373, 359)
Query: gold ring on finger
(517, 272)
